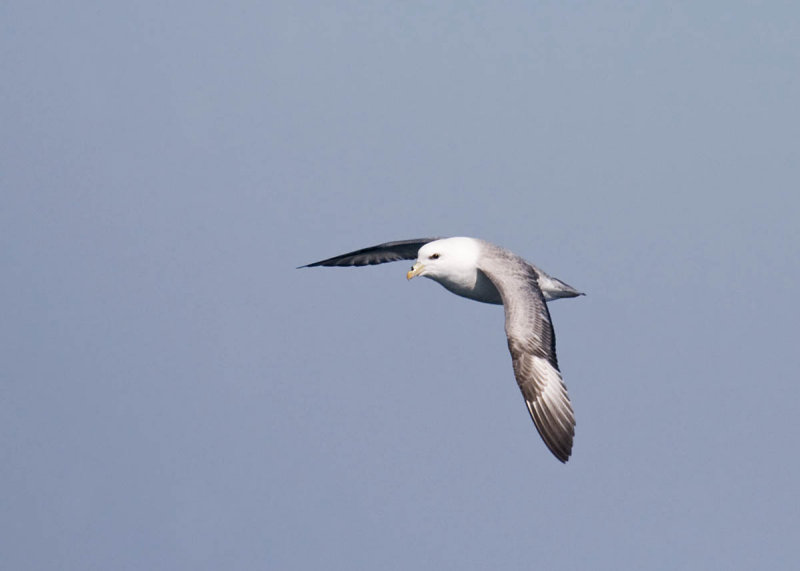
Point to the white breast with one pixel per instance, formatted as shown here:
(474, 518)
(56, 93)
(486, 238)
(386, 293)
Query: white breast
(472, 286)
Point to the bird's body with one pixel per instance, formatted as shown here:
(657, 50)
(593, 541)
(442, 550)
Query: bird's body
(552, 288)
(483, 272)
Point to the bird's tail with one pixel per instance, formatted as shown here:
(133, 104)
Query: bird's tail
(554, 288)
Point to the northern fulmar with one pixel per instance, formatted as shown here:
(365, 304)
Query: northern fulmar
(481, 271)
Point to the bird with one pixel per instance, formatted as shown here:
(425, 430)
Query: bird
(481, 271)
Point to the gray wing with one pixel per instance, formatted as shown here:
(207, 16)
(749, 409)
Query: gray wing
(380, 254)
(532, 344)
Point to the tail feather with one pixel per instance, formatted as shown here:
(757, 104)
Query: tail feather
(553, 288)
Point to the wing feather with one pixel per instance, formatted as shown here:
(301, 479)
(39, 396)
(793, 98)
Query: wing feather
(532, 344)
(380, 254)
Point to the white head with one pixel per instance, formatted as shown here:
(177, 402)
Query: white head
(448, 260)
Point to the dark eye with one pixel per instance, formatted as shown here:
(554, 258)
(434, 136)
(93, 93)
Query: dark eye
(434, 256)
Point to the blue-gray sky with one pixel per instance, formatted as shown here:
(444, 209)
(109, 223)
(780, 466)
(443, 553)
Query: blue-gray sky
(176, 395)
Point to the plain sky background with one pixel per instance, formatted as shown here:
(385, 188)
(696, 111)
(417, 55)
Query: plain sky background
(174, 394)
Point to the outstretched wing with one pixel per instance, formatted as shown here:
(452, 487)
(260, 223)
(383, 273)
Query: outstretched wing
(380, 254)
(532, 344)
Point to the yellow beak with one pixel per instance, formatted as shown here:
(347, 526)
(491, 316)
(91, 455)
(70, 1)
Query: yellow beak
(416, 270)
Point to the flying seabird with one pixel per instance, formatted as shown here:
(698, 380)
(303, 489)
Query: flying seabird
(481, 271)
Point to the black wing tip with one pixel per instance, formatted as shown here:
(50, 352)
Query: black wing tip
(334, 262)
(558, 439)
(562, 452)
(561, 457)
(337, 264)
